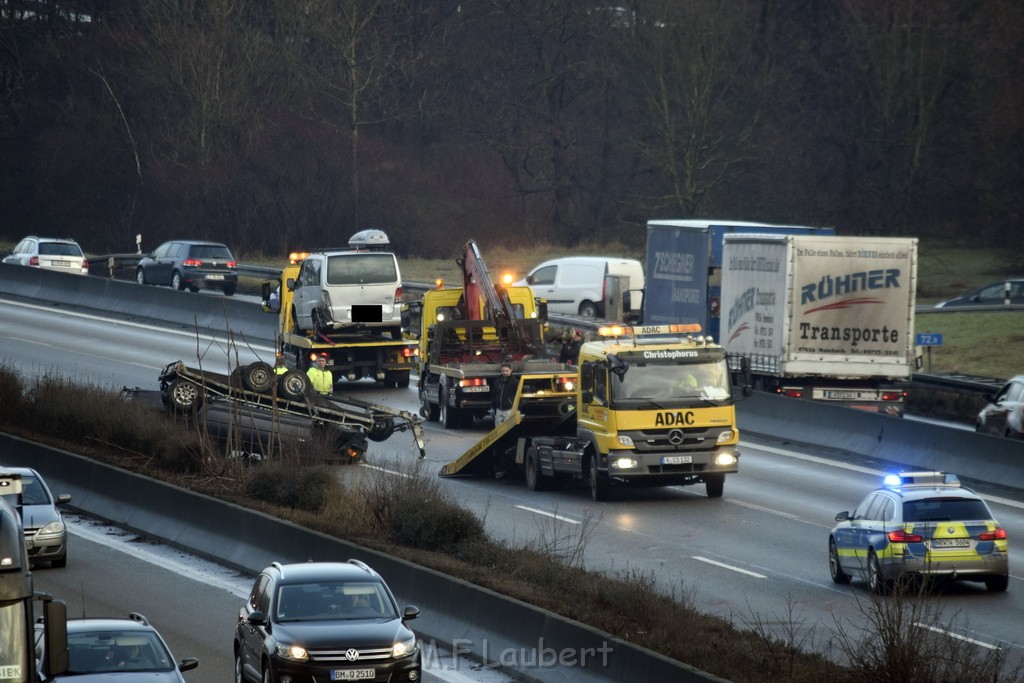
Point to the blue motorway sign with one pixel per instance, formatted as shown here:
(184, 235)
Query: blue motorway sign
(928, 339)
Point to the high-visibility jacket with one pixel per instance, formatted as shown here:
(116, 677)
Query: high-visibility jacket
(280, 369)
(322, 380)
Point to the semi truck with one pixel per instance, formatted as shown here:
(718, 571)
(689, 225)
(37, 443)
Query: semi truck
(654, 406)
(823, 318)
(17, 597)
(465, 333)
(323, 302)
(684, 268)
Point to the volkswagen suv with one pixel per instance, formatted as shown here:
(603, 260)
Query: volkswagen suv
(324, 621)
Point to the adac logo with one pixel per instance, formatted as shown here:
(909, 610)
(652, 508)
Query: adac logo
(673, 419)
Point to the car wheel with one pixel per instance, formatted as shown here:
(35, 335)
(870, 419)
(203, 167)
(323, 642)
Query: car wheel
(876, 581)
(599, 485)
(534, 479)
(176, 282)
(449, 416)
(239, 674)
(140, 276)
(997, 584)
(588, 309)
(229, 291)
(185, 395)
(268, 676)
(402, 381)
(834, 568)
(381, 429)
(714, 485)
(293, 385)
(259, 377)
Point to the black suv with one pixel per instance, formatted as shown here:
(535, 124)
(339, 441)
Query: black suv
(184, 264)
(324, 621)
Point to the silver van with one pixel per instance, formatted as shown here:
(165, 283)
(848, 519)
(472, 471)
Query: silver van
(350, 290)
(575, 285)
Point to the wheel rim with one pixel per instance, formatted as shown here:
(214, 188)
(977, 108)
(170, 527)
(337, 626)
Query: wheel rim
(140, 277)
(833, 559)
(874, 573)
(176, 281)
(185, 393)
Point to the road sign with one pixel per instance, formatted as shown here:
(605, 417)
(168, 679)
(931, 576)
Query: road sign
(928, 339)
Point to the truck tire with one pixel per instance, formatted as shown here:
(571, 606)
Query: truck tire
(185, 396)
(599, 484)
(714, 484)
(402, 381)
(450, 417)
(293, 385)
(428, 411)
(396, 333)
(259, 377)
(382, 428)
(535, 481)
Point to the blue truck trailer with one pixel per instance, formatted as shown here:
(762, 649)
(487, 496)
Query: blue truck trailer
(684, 268)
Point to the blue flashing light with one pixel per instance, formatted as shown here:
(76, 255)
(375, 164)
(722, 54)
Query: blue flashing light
(892, 480)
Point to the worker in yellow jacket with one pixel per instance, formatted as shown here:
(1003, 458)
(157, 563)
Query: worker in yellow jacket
(320, 377)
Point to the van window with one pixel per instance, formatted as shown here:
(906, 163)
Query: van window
(545, 275)
(361, 269)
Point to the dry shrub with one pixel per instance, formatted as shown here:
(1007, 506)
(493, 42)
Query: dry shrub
(12, 392)
(287, 483)
(417, 512)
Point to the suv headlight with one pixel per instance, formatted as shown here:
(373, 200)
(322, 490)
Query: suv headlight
(404, 648)
(295, 653)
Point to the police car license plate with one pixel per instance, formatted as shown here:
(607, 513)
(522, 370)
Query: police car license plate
(951, 542)
(214, 277)
(677, 459)
(352, 675)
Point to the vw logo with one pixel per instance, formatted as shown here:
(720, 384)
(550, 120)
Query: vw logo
(675, 437)
(352, 654)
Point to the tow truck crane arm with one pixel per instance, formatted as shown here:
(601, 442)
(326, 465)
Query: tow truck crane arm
(477, 286)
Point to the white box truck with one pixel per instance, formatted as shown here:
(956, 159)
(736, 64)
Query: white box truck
(823, 318)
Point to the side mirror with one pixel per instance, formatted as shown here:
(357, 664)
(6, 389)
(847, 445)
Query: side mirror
(542, 310)
(843, 516)
(587, 396)
(529, 279)
(188, 664)
(290, 283)
(55, 633)
(410, 612)
(257, 618)
(63, 499)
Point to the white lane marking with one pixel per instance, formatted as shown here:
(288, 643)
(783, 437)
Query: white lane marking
(548, 514)
(386, 471)
(761, 508)
(972, 641)
(126, 323)
(730, 567)
(213, 577)
(865, 470)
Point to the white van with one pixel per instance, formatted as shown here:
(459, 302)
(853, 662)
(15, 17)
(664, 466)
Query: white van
(575, 285)
(347, 291)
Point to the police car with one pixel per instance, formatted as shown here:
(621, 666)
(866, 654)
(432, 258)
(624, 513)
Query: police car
(919, 524)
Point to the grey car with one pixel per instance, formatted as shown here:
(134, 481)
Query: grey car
(115, 650)
(1004, 414)
(45, 532)
(993, 294)
(191, 265)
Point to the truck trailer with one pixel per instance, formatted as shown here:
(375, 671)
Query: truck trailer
(684, 268)
(823, 318)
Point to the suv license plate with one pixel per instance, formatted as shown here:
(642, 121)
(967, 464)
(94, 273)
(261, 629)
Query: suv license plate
(677, 459)
(951, 543)
(214, 277)
(352, 675)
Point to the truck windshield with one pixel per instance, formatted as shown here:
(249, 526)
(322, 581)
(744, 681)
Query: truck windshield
(672, 382)
(14, 646)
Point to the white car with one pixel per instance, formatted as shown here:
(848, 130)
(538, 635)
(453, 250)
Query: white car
(51, 253)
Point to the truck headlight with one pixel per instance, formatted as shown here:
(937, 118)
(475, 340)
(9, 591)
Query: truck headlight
(404, 648)
(726, 458)
(623, 463)
(625, 441)
(725, 436)
(295, 653)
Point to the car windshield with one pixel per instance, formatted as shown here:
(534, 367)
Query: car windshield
(361, 269)
(59, 249)
(673, 382)
(944, 510)
(32, 492)
(333, 600)
(116, 650)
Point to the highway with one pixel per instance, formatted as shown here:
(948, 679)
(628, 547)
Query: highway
(758, 555)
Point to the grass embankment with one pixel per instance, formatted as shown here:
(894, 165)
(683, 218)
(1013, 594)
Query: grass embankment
(416, 518)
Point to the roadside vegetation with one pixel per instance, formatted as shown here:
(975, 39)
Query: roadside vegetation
(415, 518)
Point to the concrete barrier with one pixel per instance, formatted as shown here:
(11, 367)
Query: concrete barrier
(221, 315)
(890, 440)
(530, 642)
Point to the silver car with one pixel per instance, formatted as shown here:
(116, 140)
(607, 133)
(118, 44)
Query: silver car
(51, 253)
(45, 532)
(1004, 414)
